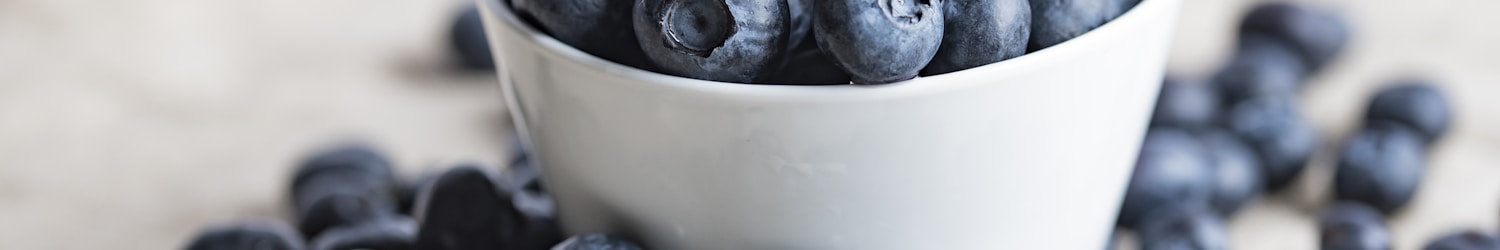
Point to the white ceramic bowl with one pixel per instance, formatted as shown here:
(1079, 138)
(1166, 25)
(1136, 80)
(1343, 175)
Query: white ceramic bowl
(1029, 153)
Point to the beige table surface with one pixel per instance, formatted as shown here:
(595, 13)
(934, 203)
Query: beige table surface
(130, 124)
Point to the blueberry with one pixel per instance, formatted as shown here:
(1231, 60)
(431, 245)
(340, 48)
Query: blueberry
(598, 27)
(1413, 102)
(1185, 104)
(1353, 226)
(1237, 171)
(1278, 133)
(339, 210)
(397, 233)
(342, 185)
(1187, 226)
(716, 40)
(980, 32)
(800, 32)
(1466, 240)
(1261, 65)
(1382, 166)
(530, 197)
(1056, 21)
(597, 241)
(468, 40)
(804, 63)
(524, 183)
(248, 235)
(523, 175)
(809, 66)
(879, 41)
(1122, 6)
(1317, 36)
(1114, 240)
(465, 208)
(409, 189)
(1171, 168)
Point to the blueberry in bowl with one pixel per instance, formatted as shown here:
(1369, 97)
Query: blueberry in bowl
(980, 32)
(1056, 21)
(800, 33)
(599, 27)
(879, 41)
(716, 40)
(806, 64)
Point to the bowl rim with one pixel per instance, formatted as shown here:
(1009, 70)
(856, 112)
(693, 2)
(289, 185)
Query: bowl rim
(1055, 54)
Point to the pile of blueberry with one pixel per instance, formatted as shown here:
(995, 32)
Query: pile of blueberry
(348, 197)
(803, 42)
(1215, 146)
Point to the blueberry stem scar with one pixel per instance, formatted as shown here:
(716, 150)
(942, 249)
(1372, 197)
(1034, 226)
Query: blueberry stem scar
(697, 28)
(903, 12)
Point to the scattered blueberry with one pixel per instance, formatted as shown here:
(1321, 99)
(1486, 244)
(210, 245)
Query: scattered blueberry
(1381, 166)
(529, 196)
(1185, 226)
(1056, 21)
(1317, 36)
(1172, 168)
(409, 189)
(466, 209)
(1237, 171)
(1185, 104)
(388, 234)
(524, 183)
(1114, 240)
(339, 210)
(879, 41)
(250, 235)
(468, 40)
(1278, 133)
(597, 241)
(1415, 103)
(716, 40)
(980, 32)
(522, 172)
(1353, 226)
(343, 185)
(599, 27)
(1466, 240)
(1262, 65)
